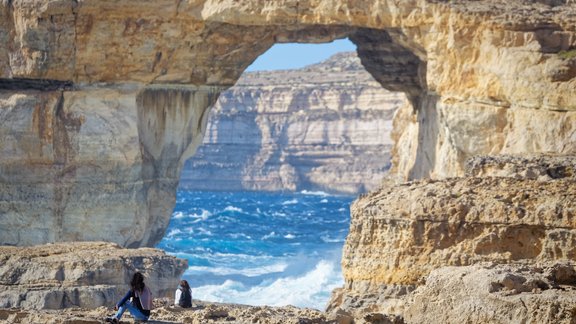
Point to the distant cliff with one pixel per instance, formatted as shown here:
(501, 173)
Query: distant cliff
(323, 127)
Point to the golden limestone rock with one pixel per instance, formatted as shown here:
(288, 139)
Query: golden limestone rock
(101, 102)
(489, 293)
(508, 210)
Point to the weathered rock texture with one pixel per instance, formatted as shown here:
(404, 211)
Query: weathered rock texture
(83, 274)
(399, 234)
(543, 293)
(165, 313)
(323, 127)
(481, 76)
(94, 164)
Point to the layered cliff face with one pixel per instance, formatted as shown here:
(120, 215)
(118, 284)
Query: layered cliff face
(324, 127)
(94, 164)
(508, 209)
(105, 147)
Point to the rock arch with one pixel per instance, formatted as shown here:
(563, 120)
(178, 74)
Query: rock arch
(144, 74)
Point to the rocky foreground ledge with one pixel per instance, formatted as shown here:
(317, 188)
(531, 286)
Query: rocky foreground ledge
(81, 274)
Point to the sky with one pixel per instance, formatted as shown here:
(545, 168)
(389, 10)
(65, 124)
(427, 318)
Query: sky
(294, 55)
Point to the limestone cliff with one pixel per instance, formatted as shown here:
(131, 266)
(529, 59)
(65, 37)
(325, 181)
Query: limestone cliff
(103, 101)
(323, 127)
(509, 209)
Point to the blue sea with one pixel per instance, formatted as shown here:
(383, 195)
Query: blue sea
(260, 248)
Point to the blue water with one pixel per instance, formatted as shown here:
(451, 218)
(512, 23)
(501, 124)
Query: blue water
(259, 248)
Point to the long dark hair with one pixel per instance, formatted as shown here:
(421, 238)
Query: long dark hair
(137, 283)
(184, 284)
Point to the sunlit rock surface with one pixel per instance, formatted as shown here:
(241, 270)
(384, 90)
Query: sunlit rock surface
(482, 77)
(103, 101)
(94, 164)
(324, 127)
(83, 274)
(401, 233)
(488, 293)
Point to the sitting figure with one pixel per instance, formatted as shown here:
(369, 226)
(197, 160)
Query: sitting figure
(183, 296)
(138, 301)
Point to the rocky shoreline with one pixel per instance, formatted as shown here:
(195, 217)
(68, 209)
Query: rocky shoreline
(482, 293)
(494, 246)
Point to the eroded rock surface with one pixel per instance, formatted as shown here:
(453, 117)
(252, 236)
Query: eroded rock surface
(81, 274)
(482, 77)
(536, 167)
(399, 234)
(540, 293)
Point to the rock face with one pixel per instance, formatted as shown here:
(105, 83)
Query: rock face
(543, 293)
(399, 234)
(324, 127)
(83, 274)
(122, 90)
(94, 164)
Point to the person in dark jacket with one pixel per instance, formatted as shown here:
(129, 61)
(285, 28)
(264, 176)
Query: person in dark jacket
(138, 301)
(183, 296)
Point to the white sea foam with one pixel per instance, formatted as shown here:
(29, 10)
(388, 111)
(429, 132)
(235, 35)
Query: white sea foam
(290, 202)
(204, 231)
(233, 209)
(311, 288)
(248, 272)
(202, 216)
(289, 236)
(240, 235)
(269, 235)
(324, 200)
(173, 233)
(314, 193)
(178, 215)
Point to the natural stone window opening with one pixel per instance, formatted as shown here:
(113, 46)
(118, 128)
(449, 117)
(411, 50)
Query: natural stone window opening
(325, 126)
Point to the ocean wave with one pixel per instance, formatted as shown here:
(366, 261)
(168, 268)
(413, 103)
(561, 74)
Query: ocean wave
(233, 209)
(203, 231)
(178, 215)
(268, 236)
(248, 272)
(173, 233)
(202, 216)
(309, 289)
(239, 235)
(314, 193)
(289, 235)
(290, 202)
